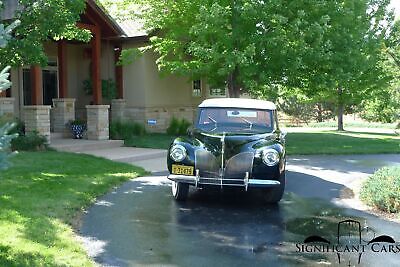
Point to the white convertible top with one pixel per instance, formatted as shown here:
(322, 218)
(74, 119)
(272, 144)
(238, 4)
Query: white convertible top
(237, 103)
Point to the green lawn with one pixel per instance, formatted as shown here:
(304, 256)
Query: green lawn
(332, 142)
(155, 140)
(40, 198)
(353, 124)
(320, 142)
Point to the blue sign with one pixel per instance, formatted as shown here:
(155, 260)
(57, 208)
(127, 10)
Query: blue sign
(151, 122)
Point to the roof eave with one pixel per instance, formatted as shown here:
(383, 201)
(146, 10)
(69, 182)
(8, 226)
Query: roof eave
(109, 20)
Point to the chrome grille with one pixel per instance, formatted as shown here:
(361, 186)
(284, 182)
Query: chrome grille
(207, 164)
(238, 165)
(236, 168)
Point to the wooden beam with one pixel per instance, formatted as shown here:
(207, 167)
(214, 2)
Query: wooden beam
(96, 69)
(36, 85)
(62, 69)
(119, 80)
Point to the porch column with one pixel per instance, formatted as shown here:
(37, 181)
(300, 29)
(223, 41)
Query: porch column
(63, 112)
(96, 54)
(63, 107)
(62, 69)
(118, 105)
(37, 116)
(119, 73)
(36, 85)
(37, 119)
(98, 122)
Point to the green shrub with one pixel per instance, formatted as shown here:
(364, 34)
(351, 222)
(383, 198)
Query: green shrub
(125, 130)
(18, 125)
(178, 126)
(29, 142)
(382, 189)
(108, 88)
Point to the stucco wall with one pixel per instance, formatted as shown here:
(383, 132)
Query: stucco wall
(135, 83)
(151, 95)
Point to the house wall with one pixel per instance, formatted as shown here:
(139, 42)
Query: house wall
(79, 60)
(158, 97)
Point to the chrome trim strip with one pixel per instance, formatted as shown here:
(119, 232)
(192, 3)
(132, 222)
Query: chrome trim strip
(197, 177)
(195, 180)
(246, 181)
(222, 157)
(263, 182)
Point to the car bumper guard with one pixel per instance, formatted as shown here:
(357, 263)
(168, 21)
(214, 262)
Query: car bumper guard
(218, 181)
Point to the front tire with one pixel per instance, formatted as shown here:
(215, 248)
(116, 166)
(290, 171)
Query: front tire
(274, 195)
(180, 191)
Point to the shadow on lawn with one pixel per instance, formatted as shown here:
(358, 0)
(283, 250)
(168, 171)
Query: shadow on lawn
(369, 133)
(11, 258)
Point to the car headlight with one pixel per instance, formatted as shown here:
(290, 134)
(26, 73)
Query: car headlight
(178, 153)
(270, 157)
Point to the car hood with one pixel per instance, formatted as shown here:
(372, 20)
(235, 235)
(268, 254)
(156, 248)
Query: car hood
(234, 143)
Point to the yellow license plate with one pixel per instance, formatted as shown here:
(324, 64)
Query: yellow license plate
(182, 170)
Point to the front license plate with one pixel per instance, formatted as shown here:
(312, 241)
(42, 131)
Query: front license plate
(182, 170)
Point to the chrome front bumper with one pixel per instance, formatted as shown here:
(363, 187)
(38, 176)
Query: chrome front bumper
(217, 181)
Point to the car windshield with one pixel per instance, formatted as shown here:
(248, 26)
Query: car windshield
(218, 120)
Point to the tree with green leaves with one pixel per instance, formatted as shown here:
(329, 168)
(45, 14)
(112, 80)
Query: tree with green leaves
(42, 21)
(351, 68)
(244, 45)
(384, 105)
(5, 137)
(327, 49)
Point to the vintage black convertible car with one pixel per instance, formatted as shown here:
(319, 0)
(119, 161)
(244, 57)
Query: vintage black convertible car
(234, 143)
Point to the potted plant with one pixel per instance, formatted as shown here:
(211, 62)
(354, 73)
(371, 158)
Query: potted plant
(78, 128)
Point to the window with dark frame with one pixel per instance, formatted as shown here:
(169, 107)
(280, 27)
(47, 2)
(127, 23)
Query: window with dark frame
(196, 92)
(217, 92)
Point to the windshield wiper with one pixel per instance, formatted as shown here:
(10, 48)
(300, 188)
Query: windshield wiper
(215, 123)
(247, 121)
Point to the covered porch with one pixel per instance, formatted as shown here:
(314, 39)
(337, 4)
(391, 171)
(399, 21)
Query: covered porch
(48, 98)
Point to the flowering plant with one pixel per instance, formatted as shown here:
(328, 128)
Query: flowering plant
(78, 128)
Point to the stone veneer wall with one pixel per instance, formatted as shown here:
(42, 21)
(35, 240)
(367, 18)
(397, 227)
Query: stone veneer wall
(118, 107)
(98, 122)
(162, 115)
(7, 106)
(37, 118)
(63, 111)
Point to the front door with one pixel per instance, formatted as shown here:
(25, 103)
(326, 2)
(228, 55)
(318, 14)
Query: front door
(50, 84)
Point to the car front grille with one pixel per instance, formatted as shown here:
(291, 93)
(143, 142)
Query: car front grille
(234, 172)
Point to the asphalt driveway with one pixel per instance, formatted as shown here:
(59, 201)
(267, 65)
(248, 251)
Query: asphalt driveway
(139, 224)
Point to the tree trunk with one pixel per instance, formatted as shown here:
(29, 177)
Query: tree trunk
(340, 110)
(233, 86)
(232, 80)
(319, 113)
